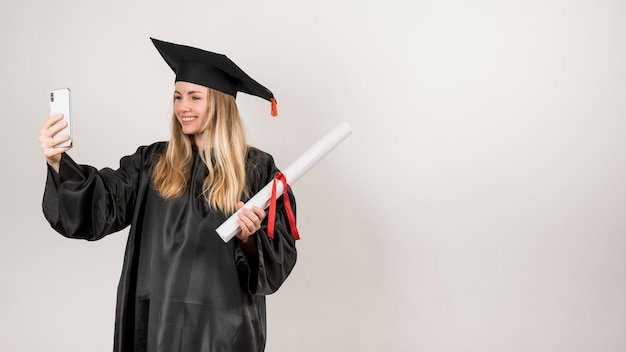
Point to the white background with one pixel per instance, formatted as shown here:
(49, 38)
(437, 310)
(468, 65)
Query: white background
(478, 205)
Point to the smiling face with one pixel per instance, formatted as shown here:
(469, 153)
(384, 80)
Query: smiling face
(191, 107)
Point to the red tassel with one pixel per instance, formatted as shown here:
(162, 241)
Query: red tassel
(272, 214)
(274, 107)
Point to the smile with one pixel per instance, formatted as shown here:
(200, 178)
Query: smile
(188, 119)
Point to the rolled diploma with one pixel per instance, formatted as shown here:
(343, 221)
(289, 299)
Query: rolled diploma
(229, 228)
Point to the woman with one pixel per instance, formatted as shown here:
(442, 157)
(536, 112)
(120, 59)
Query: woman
(182, 288)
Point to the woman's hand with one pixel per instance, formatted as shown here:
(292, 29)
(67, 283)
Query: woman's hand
(48, 139)
(249, 221)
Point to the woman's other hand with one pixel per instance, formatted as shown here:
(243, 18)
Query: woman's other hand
(249, 221)
(48, 139)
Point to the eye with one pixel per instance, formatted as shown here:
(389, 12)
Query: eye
(177, 97)
(196, 98)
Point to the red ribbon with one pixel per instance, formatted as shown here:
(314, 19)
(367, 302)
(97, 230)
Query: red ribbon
(272, 216)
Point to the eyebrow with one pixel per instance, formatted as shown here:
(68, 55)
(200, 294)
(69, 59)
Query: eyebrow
(192, 92)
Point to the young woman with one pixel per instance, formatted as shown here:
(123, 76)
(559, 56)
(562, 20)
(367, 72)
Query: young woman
(182, 287)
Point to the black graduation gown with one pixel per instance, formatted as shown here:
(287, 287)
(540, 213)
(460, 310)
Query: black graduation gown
(181, 288)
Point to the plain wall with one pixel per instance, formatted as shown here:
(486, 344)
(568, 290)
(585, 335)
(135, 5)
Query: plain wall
(478, 205)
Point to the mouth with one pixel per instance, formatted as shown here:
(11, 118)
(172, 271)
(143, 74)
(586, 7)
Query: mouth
(188, 119)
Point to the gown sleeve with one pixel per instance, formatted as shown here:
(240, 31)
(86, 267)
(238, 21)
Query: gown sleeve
(81, 202)
(277, 256)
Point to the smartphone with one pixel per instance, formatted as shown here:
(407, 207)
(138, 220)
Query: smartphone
(60, 103)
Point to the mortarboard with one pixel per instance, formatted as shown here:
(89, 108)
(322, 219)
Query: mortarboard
(211, 70)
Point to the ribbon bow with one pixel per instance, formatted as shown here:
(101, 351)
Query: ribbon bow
(272, 215)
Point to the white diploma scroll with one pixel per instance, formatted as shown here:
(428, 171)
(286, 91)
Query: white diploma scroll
(297, 169)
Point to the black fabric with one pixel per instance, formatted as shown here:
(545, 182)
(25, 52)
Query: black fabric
(181, 288)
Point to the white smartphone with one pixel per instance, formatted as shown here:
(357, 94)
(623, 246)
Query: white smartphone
(60, 103)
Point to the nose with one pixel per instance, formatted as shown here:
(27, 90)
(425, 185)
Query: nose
(183, 105)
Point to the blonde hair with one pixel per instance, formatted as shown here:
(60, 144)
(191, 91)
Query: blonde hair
(223, 150)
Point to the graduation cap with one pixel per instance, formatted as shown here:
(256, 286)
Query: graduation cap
(211, 70)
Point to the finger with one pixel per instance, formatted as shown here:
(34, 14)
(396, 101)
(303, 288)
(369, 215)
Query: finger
(49, 131)
(244, 236)
(248, 220)
(50, 140)
(49, 144)
(56, 128)
(64, 149)
(56, 140)
(260, 213)
(254, 215)
(56, 117)
(50, 121)
(52, 152)
(245, 231)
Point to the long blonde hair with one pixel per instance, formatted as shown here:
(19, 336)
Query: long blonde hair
(223, 150)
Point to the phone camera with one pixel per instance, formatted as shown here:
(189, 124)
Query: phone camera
(51, 96)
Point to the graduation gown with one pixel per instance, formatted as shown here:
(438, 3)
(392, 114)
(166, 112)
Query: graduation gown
(181, 288)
